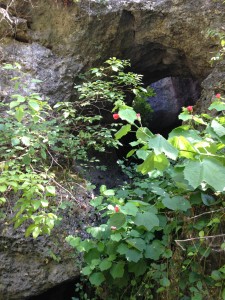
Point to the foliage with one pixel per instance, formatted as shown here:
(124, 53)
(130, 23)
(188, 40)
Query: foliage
(158, 234)
(35, 138)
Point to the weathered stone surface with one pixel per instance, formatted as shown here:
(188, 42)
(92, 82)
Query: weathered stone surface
(55, 43)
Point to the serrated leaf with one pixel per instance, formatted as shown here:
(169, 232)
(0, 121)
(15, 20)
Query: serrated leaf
(185, 116)
(117, 270)
(161, 145)
(137, 243)
(209, 170)
(144, 134)
(123, 131)
(86, 271)
(117, 220)
(217, 105)
(129, 209)
(128, 115)
(105, 265)
(184, 146)
(152, 162)
(218, 128)
(34, 105)
(147, 220)
(176, 203)
(19, 114)
(155, 250)
(97, 278)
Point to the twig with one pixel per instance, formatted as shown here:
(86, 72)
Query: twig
(206, 213)
(198, 238)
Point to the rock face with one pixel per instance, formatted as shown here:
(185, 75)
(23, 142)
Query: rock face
(54, 42)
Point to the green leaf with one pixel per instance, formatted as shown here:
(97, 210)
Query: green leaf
(50, 190)
(161, 145)
(144, 134)
(2, 200)
(176, 203)
(117, 220)
(131, 254)
(73, 241)
(3, 188)
(128, 115)
(207, 199)
(164, 282)
(105, 264)
(209, 170)
(223, 294)
(137, 243)
(185, 116)
(155, 250)
(123, 131)
(217, 105)
(184, 146)
(15, 141)
(34, 105)
(44, 203)
(152, 162)
(117, 270)
(129, 209)
(116, 237)
(19, 114)
(147, 220)
(97, 278)
(218, 128)
(109, 193)
(86, 271)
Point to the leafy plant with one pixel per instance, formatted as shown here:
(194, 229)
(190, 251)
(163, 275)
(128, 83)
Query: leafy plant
(140, 246)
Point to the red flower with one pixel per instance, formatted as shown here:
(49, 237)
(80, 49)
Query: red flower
(218, 96)
(116, 116)
(116, 208)
(190, 108)
(113, 228)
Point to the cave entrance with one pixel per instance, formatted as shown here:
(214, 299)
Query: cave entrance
(171, 94)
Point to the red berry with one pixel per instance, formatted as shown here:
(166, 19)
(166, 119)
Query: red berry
(116, 116)
(190, 108)
(218, 96)
(116, 208)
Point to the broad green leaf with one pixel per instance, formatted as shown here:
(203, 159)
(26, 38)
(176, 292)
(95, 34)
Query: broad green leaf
(138, 269)
(109, 193)
(129, 209)
(217, 105)
(50, 189)
(218, 128)
(184, 146)
(30, 229)
(123, 131)
(128, 115)
(176, 203)
(137, 243)
(97, 278)
(164, 282)
(73, 241)
(116, 237)
(117, 220)
(185, 131)
(19, 114)
(3, 188)
(144, 134)
(155, 250)
(131, 254)
(209, 170)
(15, 141)
(147, 220)
(142, 154)
(86, 271)
(14, 104)
(105, 264)
(44, 203)
(161, 145)
(34, 105)
(117, 270)
(199, 120)
(185, 116)
(2, 200)
(152, 162)
(207, 199)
